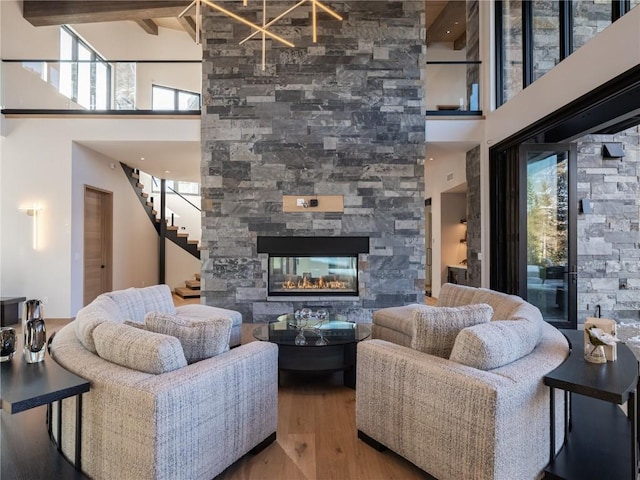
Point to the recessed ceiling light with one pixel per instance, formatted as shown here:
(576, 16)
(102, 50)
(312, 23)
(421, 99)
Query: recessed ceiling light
(456, 23)
(167, 171)
(448, 32)
(141, 158)
(431, 159)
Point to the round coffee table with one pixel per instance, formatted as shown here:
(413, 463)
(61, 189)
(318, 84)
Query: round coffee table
(329, 345)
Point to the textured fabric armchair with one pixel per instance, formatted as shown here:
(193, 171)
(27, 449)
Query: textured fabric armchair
(480, 413)
(155, 410)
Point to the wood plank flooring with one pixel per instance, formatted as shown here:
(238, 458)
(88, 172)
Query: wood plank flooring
(317, 440)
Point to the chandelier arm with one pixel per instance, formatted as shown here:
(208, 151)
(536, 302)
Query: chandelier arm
(327, 9)
(248, 23)
(283, 14)
(189, 7)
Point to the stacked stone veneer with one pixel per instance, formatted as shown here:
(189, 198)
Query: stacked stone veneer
(345, 117)
(608, 238)
(474, 218)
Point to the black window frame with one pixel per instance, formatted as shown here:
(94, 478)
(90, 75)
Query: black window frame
(176, 95)
(95, 59)
(619, 8)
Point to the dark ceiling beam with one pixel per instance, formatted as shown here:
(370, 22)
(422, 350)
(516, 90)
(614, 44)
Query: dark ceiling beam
(188, 25)
(148, 26)
(453, 12)
(53, 12)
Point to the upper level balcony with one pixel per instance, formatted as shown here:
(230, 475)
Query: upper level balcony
(98, 87)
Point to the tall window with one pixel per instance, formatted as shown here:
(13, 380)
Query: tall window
(84, 75)
(535, 35)
(546, 36)
(512, 66)
(590, 17)
(165, 98)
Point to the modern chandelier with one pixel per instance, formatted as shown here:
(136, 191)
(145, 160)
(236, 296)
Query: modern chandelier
(263, 29)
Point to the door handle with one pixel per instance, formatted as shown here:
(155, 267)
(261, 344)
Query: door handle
(101, 266)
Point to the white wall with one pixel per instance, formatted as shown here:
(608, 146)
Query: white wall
(435, 174)
(445, 84)
(453, 209)
(180, 266)
(135, 241)
(38, 161)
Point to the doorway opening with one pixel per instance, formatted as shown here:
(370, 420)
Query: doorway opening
(98, 242)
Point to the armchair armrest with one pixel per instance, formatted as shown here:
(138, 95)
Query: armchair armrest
(451, 420)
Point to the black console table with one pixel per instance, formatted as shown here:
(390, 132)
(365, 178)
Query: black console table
(600, 440)
(29, 385)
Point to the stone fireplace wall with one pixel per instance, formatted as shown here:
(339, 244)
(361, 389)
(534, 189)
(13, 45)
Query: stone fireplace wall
(344, 117)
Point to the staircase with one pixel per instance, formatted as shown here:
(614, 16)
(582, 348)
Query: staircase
(173, 232)
(191, 288)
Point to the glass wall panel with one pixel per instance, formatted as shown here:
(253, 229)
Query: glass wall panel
(512, 65)
(84, 77)
(546, 36)
(589, 18)
(635, 3)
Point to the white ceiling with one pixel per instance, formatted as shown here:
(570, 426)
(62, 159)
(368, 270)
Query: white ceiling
(181, 159)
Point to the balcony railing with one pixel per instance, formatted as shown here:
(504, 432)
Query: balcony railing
(125, 87)
(453, 88)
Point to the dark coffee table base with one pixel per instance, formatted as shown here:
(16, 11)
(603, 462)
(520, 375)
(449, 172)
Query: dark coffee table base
(326, 359)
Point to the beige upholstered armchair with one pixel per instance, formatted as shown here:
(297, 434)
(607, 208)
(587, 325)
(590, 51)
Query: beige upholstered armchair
(458, 389)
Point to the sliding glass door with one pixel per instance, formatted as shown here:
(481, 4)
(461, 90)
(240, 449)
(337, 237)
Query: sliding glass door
(548, 276)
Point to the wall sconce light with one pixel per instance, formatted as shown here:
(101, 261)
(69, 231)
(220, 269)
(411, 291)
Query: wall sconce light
(612, 150)
(34, 212)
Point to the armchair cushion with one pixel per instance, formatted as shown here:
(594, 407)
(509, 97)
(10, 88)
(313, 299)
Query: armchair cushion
(494, 344)
(200, 338)
(158, 298)
(130, 302)
(138, 349)
(435, 328)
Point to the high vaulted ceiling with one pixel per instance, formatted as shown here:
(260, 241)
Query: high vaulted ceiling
(445, 18)
(144, 12)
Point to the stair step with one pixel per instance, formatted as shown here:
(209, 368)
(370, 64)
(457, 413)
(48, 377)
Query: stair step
(149, 204)
(172, 227)
(197, 275)
(193, 242)
(182, 235)
(187, 292)
(154, 212)
(139, 185)
(134, 175)
(144, 195)
(193, 284)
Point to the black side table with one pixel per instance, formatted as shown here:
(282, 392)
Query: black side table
(9, 314)
(29, 385)
(600, 440)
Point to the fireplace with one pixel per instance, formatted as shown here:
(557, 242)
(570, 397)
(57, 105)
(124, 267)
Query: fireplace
(312, 266)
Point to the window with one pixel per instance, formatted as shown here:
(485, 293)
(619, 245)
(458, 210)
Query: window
(590, 17)
(183, 188)
(512, 66)
(84, 75)
(532, 36)
(546, 36)
(165, 98)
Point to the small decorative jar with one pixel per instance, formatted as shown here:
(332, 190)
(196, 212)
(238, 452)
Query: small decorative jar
(7, 343)
(34, 332)
(594, 353)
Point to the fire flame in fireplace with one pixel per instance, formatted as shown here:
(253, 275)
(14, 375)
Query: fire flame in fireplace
(314, 283)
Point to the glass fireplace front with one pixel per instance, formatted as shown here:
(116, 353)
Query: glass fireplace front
(313, 275)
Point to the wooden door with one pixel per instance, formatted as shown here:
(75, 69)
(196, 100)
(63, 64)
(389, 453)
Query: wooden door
(98, 241)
